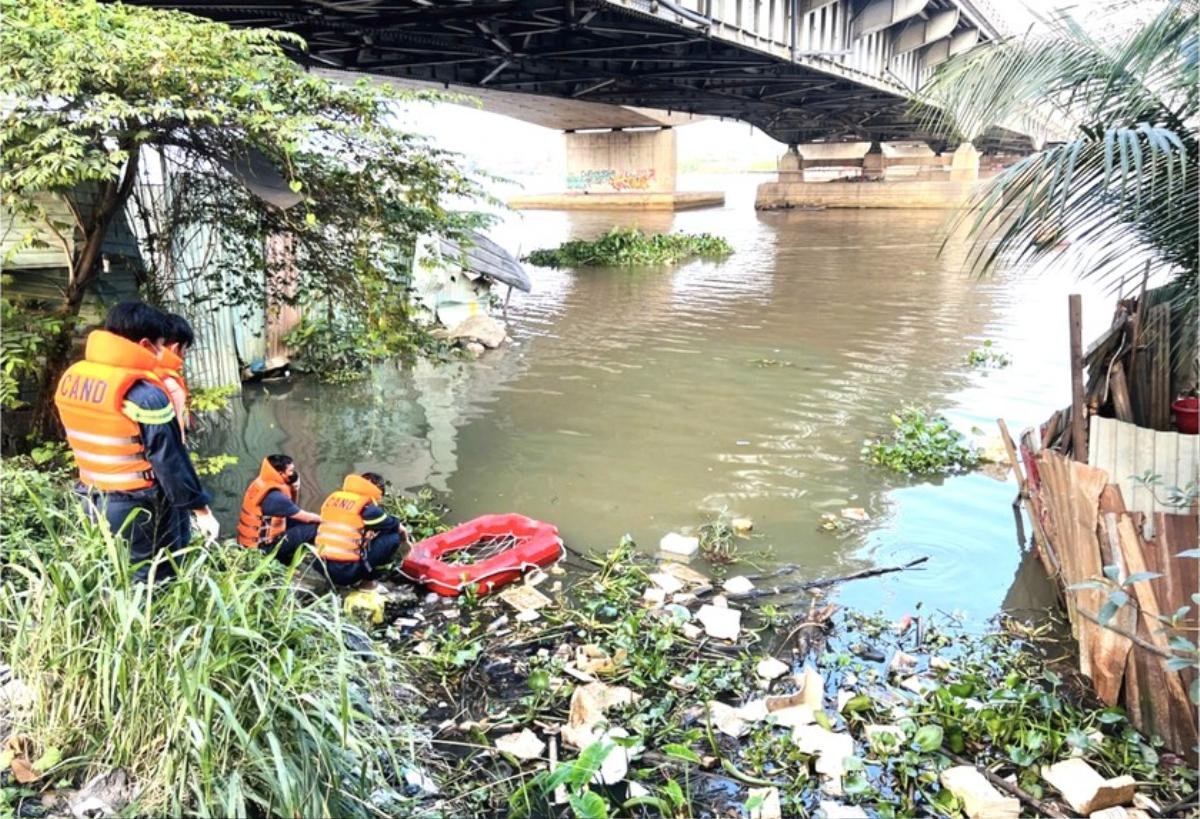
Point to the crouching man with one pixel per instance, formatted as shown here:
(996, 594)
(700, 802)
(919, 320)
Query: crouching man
(356, 539)
(270, 518)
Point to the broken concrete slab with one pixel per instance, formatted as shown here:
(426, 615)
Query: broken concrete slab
(812, 687)
(834, 810)
(615, 766)
(683, 572)
(677, 544)
(770, 668)
(721, 623)
(831, 749)
(754, 711)
(522, 745)
(105, 794)
(790, 710)
(918, 685)
(763, 803)
(654, 596)
(524, 598)
(738, 585)
(856, 513)
(591, 659)
(588, 706)
(1120, 813)
(1084, 789)
(902, 663)
(669, 583)
(727, 719)
(980, 800)
(418, 783)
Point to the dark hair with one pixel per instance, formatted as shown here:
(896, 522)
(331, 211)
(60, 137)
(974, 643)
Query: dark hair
(179, 331)
(375, 478)
(279, 462)
(136, 320)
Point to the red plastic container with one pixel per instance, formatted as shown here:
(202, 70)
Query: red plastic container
(538, 545)
(1187, 415)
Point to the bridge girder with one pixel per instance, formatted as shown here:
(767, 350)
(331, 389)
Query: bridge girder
(580, 49)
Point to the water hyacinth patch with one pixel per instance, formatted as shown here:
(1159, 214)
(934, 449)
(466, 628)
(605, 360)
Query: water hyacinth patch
(921, 444)
(628, 247)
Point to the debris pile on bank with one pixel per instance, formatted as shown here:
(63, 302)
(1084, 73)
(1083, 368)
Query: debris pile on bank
(646, 686)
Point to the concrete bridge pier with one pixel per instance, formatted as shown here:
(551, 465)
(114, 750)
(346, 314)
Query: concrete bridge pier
(620, 168)
(871, 175)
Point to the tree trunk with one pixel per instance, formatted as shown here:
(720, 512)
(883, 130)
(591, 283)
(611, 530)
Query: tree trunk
(45, 424)
(110, 200)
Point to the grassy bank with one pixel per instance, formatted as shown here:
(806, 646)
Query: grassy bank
(223, 693)
(228, 692)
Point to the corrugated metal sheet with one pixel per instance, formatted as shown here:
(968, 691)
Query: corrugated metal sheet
(482, 257)
(213, 360)
(1128, 452)
(282, 286)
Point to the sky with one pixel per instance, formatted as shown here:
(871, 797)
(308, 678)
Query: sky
(515, 148)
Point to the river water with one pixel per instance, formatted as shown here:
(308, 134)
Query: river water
(644, 401)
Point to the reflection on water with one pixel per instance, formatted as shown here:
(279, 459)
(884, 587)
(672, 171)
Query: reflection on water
(641, 401)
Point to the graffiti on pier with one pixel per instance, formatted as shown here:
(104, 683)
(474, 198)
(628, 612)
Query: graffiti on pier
(636, 180)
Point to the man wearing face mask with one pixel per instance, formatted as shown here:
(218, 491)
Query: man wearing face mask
(271, 518)
(134, 471)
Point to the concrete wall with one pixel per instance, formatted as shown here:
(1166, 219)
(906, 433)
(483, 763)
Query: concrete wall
(897, 194)
(621, 161)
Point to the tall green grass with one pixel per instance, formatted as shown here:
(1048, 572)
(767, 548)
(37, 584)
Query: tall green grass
(222, 693)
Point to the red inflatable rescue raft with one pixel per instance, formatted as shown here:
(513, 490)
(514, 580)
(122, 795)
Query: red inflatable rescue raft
(507, 546)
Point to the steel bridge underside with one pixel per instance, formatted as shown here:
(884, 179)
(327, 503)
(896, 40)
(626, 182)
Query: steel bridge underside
(600, 52)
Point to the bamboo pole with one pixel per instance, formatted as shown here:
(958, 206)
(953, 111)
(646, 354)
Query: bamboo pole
(1078, 428)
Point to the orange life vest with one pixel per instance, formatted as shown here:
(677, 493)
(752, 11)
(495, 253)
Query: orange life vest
(90, 399)
(254, 528)
(170, 370)
(342, 533)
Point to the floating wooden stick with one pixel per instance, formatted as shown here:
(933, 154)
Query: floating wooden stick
(827, 581)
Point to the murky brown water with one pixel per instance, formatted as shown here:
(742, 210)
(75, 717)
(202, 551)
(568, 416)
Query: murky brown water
(642, 401)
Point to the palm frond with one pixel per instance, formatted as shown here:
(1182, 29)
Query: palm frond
(1122, 188)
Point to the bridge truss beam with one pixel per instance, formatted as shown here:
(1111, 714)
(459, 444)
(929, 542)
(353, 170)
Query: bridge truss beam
(605, 52)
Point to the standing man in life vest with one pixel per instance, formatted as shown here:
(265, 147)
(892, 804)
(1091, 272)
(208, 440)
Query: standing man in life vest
(134, 471)
(270, 517)
(179, 338)
(356, 539)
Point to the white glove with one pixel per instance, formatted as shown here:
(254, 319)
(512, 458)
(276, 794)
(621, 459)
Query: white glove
(206, 522)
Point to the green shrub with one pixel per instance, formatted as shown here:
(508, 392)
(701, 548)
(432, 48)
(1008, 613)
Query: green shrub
(220, 693)
(29, 331)
(344, 349)
(627, 247)
(921, 444)
(334, 351)
(208, 465)
(212, 399)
